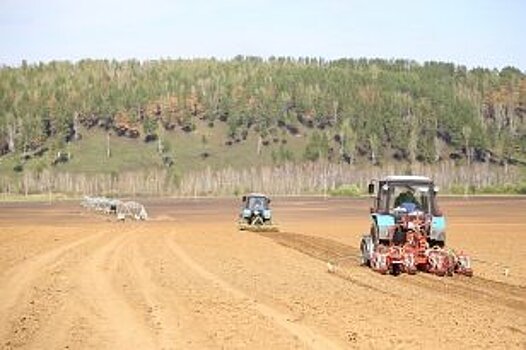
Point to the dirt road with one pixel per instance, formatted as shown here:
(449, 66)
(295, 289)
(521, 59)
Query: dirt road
(71, 279)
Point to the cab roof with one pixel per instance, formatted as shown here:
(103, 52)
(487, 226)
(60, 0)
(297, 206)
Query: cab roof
(255, 194)
(406, 178)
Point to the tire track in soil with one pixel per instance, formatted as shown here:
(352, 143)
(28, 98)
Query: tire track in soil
(492, 292)
(20, 276)
(151, 296)
(33, 290)
(325, 249)
(82, 320)
(303, 333)
(115, 319)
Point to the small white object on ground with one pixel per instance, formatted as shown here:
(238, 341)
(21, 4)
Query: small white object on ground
(330, 267)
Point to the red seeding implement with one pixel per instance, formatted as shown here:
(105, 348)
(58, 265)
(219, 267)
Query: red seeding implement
(408, 230)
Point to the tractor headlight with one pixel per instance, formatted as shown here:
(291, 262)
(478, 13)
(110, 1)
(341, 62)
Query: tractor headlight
(247, 213)
(267, 214)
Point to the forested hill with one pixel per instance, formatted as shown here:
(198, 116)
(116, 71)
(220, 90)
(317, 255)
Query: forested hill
(344, 111)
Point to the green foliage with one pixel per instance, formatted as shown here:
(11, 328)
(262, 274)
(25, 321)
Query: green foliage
(173, 177)
(374, 105)
(318, 146)
(19, 167)
(347, 191)
(150, 126)
(282, 155)
(89, 156)
(519, 188)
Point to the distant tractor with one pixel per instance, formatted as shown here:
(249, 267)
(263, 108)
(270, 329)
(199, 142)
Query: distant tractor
(256, 214)
(408, 230)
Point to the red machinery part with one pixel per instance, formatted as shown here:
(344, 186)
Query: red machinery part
(379, 261)
(463, 264)
(416, 255)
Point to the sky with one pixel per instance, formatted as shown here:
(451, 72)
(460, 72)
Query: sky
(475, 33)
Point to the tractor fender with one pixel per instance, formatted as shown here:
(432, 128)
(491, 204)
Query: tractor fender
(383, 223)
(438, 229)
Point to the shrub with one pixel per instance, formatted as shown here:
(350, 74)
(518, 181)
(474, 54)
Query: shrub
(346, 191)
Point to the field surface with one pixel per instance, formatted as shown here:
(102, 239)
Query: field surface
(72, 279)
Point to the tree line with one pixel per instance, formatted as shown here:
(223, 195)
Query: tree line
(375, 109)
(311, 178)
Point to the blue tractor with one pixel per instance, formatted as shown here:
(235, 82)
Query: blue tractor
(408, 230)
(256, 214)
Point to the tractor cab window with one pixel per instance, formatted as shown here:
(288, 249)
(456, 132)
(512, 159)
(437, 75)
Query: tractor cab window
(426, 199)
(257, 203)
(410, 198)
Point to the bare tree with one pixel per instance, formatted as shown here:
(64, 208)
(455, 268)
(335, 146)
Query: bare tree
(466, 132)
(108, 145)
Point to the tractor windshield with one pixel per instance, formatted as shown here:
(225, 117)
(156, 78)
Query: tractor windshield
(407, 197)
(257, 203)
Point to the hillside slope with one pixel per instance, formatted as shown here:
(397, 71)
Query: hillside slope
(190, 115)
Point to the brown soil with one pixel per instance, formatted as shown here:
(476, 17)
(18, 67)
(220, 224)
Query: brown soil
(189, 279)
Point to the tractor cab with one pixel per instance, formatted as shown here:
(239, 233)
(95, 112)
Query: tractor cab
(398, 195)
(405, 202)
(256, 202)
(256, 210)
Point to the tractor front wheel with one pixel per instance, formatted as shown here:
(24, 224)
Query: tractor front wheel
(364, 256)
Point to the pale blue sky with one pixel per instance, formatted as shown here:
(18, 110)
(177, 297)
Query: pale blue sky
(488, 33)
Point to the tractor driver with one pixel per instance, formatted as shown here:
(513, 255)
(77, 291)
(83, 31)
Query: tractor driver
(407, 201)
(257, 204)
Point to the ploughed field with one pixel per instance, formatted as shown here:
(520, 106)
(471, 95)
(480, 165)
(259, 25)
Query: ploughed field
(187, 278)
